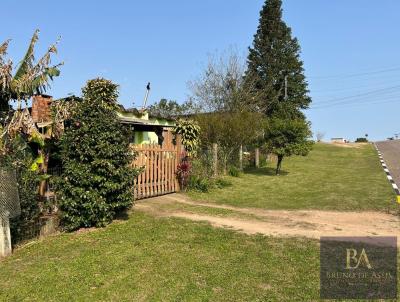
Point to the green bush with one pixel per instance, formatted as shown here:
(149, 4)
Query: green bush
(200, 184)
(233, 171)
(96, 181)
(361, 140)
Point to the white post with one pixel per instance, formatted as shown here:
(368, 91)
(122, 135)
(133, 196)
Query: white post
(257, 157)
(5, 237)
(215, 159)
(241, 157)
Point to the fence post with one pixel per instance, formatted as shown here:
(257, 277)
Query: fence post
(215, 158)
(5, 238)
(241, 157)
(257, 157)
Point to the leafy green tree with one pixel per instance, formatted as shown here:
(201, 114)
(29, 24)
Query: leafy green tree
(273, 60)
(96, 181)
(287, 137)
(170, 109)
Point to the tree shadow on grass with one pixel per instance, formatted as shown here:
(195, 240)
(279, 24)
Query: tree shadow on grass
(122, 215)
(268, 171)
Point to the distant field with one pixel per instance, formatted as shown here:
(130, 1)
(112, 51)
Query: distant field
(330, 178)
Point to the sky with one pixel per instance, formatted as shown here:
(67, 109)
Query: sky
(350, 49)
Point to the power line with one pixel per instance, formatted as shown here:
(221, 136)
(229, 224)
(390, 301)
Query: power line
(355, 74)
(388, 99)
(382, 90)
(375, 85)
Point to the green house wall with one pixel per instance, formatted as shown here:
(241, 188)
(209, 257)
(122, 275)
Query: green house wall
(147, 137)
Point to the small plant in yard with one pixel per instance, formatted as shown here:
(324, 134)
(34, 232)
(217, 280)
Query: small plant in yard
(233, 171)
(190, 135)
(200, 184)
(183, 172)
(96, 181)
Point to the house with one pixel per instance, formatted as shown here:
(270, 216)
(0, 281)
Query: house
(148, 129)
(338, 140)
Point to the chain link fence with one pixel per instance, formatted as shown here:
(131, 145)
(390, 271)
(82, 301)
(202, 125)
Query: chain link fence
(9, 198)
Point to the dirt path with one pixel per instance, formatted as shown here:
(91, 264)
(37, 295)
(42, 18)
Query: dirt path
(309, 223)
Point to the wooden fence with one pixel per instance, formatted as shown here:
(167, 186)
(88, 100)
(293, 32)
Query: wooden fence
(159, 170)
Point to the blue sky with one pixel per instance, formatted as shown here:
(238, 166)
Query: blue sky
(350, 50)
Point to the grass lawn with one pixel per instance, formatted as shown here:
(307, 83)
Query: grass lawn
(162, 259)
(330, 178)
(145, 258)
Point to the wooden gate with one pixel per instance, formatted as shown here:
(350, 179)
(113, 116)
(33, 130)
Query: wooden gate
(159, 170)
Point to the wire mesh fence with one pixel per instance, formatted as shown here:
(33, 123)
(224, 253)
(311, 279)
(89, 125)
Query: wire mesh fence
(9, 198)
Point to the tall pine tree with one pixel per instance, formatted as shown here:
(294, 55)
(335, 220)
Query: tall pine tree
(274, 56)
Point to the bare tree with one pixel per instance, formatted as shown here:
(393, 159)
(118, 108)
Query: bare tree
(219, 87)
(320, 136)
(224, 116)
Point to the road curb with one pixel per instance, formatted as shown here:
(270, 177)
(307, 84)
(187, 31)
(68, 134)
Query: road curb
(389, 177)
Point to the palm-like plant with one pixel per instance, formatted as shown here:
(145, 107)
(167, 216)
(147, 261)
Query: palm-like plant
(30, 77)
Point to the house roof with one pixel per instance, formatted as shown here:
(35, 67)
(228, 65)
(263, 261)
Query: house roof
(137, 121)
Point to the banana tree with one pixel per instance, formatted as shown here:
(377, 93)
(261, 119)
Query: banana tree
(29, 77)
(19, 84)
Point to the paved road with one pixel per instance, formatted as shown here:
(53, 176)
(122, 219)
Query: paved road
(391, 154)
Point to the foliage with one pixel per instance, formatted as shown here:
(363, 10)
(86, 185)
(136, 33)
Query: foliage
(18, 156)
(183, 171)
(170, 109)
(361, 140)
(30, 77)
(219, 86)
(189, 132)
(224, 117)
(96, 181)
(229, 130)
(233, 171)
(200, 184)
(274, 56)
(287, 137)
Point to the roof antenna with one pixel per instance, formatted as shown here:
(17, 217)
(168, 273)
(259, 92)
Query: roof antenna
(146, 96)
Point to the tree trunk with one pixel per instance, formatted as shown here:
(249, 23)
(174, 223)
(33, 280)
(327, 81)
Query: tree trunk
(279, 164)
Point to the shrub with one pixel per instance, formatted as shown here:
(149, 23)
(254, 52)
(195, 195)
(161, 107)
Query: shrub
(96, 181)
(200, 184)
(233, 171)
(361, 140)
(183, 172)
(190, 135)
